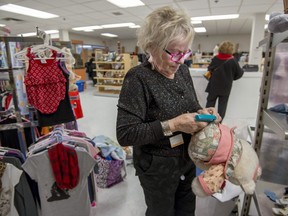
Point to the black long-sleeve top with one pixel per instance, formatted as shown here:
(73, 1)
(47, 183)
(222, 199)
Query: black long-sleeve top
(146, 98)
(224, 72)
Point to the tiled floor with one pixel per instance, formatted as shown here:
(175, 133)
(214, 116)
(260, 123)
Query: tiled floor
(126, 198)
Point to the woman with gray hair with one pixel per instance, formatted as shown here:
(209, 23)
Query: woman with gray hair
(156, 114)
(225, 69)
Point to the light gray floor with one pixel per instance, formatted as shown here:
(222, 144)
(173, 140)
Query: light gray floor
(126, 198)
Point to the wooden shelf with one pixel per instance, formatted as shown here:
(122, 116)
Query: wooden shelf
(109, 62)
(109, 70)
(127, 62)
(108, 78)
(108, 85)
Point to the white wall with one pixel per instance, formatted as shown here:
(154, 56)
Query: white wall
(86, 39)
(207, 43)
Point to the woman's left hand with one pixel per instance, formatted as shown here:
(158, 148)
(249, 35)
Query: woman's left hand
(212, 111)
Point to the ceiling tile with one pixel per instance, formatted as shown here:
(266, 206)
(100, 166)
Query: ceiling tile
(75, 13)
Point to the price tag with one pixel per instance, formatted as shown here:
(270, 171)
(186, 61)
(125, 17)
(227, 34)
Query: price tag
(43, 61)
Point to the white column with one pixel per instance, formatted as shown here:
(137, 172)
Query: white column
(63, 35)
(258, 32)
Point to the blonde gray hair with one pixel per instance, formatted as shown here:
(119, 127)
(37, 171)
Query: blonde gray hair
(163, 26)
(226, 47)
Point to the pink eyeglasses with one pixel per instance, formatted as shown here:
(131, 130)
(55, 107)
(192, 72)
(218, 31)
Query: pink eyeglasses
(176, 57)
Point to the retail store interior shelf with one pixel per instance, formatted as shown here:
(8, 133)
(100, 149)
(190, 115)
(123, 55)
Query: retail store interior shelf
(276, 122)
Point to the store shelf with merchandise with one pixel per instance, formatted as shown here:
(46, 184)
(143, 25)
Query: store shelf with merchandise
(201, 60)
(271, 124)
(111, 70)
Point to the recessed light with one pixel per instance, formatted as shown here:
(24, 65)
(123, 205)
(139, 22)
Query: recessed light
(27, 11)
(109, 35)
(200, 29)
(87, 28)
(118, 25)
(34, 33)
(196, 21)
(135, 26)
(126, 3)
(216, 17)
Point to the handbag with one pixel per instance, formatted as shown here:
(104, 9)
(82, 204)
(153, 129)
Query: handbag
(110, 161)
(110, 172)
(207, 75)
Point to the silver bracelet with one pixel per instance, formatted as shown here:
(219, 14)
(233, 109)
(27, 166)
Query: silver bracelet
(166, 128)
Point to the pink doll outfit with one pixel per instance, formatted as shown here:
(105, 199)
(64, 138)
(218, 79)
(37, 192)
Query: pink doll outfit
(45, 83)
(215, 147)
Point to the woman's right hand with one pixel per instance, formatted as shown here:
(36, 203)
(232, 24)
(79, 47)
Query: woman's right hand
(186, 123)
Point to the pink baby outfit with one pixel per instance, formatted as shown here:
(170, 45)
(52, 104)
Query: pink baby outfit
(45, 83)
(219, 148)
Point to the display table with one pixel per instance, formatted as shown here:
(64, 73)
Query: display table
(244, 97)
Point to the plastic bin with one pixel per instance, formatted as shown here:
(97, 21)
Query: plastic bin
(80, 84)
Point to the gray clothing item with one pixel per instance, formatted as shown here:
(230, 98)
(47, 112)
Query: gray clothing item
(55, 201)
(278, 22)
(23, 198)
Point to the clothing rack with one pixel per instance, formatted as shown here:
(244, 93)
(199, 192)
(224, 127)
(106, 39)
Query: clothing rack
(19, 125)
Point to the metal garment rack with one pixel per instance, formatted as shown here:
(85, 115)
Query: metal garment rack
(19, 125)
(272, 120)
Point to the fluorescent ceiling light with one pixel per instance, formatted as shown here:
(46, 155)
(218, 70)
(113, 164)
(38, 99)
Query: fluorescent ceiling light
(109, 35)
(135, 26)
(34, 33)
(86, 28)
(2, 25)
(27, 11)
(267, 17)
(118, 25)
(126, 3)
(196, 21)
(216, 17)
(52, 31)
(27, 34)
(200, 29)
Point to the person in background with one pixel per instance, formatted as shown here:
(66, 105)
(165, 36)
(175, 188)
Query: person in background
(225, 69)
(90, 66)
(189, 61)
(156, 114)
(216, 50)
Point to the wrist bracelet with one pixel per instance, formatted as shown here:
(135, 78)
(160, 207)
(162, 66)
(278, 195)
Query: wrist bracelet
(166, 128)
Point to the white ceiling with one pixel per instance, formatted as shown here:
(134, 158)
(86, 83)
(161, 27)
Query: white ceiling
(77, 13)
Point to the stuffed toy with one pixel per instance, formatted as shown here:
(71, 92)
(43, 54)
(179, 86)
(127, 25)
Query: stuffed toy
(216, 150)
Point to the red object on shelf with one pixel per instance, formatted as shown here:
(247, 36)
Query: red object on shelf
(76, 104)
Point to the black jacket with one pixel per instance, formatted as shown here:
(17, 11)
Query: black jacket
(223, 75)
(146, 98)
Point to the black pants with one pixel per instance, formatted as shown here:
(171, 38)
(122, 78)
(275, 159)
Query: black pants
(222, 103)
(166, 182)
